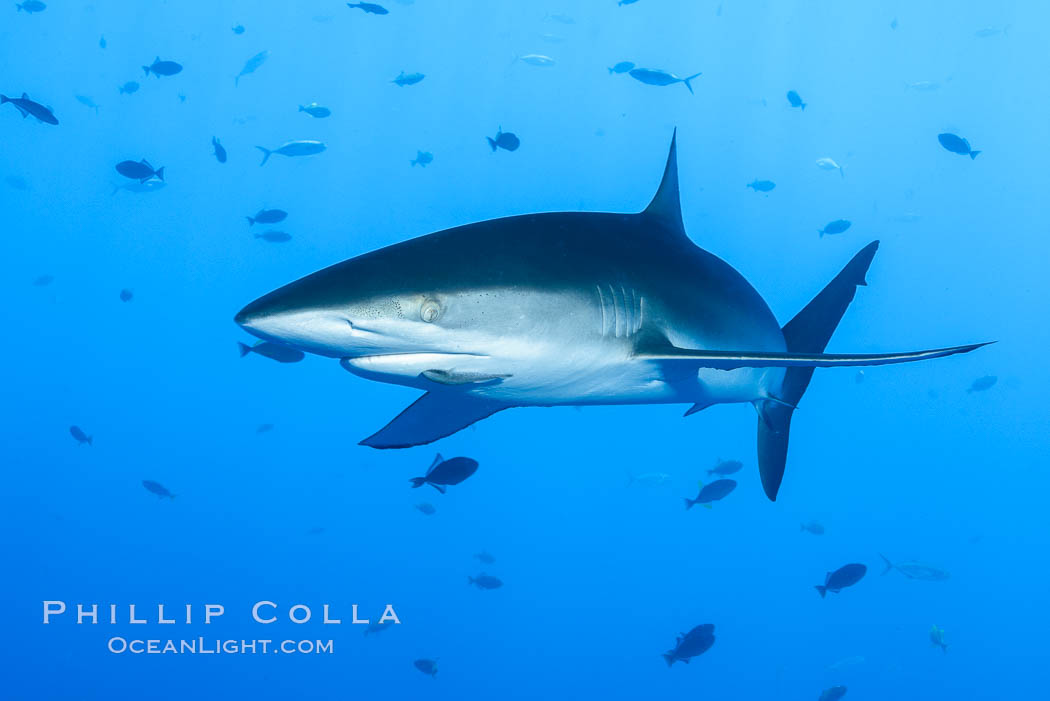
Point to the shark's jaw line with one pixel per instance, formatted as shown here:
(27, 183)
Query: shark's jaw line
(566, 308)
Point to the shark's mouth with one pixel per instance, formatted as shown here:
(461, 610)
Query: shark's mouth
(410, 364)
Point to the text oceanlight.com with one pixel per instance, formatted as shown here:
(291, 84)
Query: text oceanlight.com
(201, 646)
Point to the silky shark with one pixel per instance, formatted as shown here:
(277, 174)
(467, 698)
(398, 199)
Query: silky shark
(567, 308)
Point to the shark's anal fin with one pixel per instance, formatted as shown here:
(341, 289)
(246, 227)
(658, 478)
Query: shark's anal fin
(434, 415)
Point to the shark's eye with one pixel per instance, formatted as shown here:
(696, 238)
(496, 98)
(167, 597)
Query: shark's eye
(430, 310)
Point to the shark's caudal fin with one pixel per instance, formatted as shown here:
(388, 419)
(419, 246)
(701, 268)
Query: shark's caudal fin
(434, 415)
(807, 336)
(808, 332)
(266, 154)
(889, 565)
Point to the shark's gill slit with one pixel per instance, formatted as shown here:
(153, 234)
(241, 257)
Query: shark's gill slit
(601, 305)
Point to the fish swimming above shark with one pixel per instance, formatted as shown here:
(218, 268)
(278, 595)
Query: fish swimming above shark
(566, 308)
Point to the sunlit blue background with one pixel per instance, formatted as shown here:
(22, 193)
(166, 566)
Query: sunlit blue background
(599, 577)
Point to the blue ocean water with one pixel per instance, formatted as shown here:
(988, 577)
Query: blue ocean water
(600, 575)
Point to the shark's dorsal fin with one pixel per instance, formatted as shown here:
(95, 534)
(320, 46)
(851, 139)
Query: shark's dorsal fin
(666, 207)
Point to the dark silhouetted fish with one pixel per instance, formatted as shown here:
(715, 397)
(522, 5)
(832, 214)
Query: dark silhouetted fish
(422, 158)
(218, 150)
(80, 437)
(375, 627)
(484, 557)
(957, 144)
(274, 351)
(264, 428)
(916, 570)
(794, 100)
(157, 488)
(315, 110)
(762, 185)
(293, 148)
(689, 645)
(621, 3)
(937, 638)
(28, 107)
(87, 102)
(425, 508)
(275, 236)
(44, 280)
(505, 140)
(719, 489)
(485, 581)
(726, 467)
(814, 527)
(161, 68)
(622, 67)
(835, 227)
(139, 170)
(102, 42)
(983, 383)
(832, 694)
(239, 29)
(369, 7)
(427, 666)
(126, 295)
(845, 576)
(651, 76)
(404, 79)
(31, 6)
(443, 473)
(251, 65)
(267, 216)
(129, 88)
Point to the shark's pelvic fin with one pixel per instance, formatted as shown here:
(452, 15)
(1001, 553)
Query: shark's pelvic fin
(666, 207)
(434, 415)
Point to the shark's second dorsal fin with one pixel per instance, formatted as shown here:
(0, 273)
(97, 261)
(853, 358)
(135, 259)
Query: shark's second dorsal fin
(666, 207)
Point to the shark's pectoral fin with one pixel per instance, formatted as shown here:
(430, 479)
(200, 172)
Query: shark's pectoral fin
(731, 360)
(452, 378)
(434, 415)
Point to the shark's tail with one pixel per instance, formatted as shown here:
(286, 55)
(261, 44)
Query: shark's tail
(889, 565)
(4, 98)
(266, 154)
(418, 482)
(688, 84)
(244, 348)
(159, 173)
(251, 220)
(688, 503)
(808, 332)
(822, 590)
(146, 69)
(973, 155)
(669, 658)
(492, 143)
